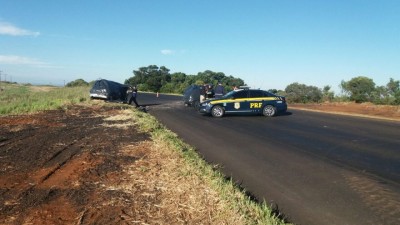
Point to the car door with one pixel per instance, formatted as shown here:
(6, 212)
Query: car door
(256, 101)
(238, 103)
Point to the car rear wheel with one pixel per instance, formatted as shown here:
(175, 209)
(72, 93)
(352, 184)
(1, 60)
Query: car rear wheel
(217, 111)
(269, 111)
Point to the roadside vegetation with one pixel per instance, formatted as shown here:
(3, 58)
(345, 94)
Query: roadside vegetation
(158, 79)
(182, 166)
(358, 89)
(26, 98)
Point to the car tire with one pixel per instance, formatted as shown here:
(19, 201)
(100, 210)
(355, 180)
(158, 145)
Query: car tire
(269, 110)
(196, 105)
(217, 111)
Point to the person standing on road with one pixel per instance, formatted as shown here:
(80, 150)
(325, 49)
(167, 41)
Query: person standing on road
(202, 93)
(209, 91)
(132, 96)
(219, 90)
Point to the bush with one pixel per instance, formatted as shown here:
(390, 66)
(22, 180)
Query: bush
(77, 83)
(301, 93)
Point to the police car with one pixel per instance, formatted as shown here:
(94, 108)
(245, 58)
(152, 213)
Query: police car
(245, 101)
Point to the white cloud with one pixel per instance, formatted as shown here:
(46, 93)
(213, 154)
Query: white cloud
(20, 60)
(167, 52)
(9, 29)
(173, 52)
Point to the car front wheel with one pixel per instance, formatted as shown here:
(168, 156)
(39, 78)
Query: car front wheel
(269, 111)
(217, 111)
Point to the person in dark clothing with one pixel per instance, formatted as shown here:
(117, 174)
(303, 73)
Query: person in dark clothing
(219, 90)
(209, 91)
(132, 96)
(202, 93)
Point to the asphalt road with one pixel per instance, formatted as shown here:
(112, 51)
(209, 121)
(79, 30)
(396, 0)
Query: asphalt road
(316, 168)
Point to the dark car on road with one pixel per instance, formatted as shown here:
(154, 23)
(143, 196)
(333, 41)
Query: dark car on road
(191, 96)
(245, 101)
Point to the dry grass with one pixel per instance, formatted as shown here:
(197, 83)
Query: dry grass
(171, 190)
(123, 120)
(368, 110)
(170, 184)
(42, 88)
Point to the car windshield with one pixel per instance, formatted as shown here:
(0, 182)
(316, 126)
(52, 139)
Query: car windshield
(229, 94)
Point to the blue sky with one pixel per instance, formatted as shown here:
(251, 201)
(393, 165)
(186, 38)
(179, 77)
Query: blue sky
(269, 44)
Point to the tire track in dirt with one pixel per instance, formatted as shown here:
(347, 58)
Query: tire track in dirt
(60, 158)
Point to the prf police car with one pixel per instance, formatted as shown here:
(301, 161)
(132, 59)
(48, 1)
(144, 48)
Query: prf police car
(245, 101)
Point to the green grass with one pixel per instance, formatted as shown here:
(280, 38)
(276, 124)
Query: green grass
(21, 99)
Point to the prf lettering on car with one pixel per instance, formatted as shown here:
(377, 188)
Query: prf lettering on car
(256, 105)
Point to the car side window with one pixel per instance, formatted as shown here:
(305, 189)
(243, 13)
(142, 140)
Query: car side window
(268, 94)
(240, 94)
(256, 94)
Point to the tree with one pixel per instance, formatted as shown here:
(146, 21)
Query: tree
(168, 88)
(177, 78)
(393, 86)
(150, 78)
(210, 77)
(230, 82)
(327, 95)
(77, 83)
(380, 95)
(301, 93)
(359, 88)
(394, 91)
(158, 79)
(177, 85)
(273, 91)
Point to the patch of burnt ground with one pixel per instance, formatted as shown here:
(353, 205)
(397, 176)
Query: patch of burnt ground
(59, 166)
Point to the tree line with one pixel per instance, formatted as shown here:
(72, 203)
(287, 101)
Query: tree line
(358, 89)
(159, 79)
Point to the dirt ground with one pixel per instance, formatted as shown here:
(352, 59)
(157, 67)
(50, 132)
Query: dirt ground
(69, 167)
(92, 165)
(57, 167)
(350, 108)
